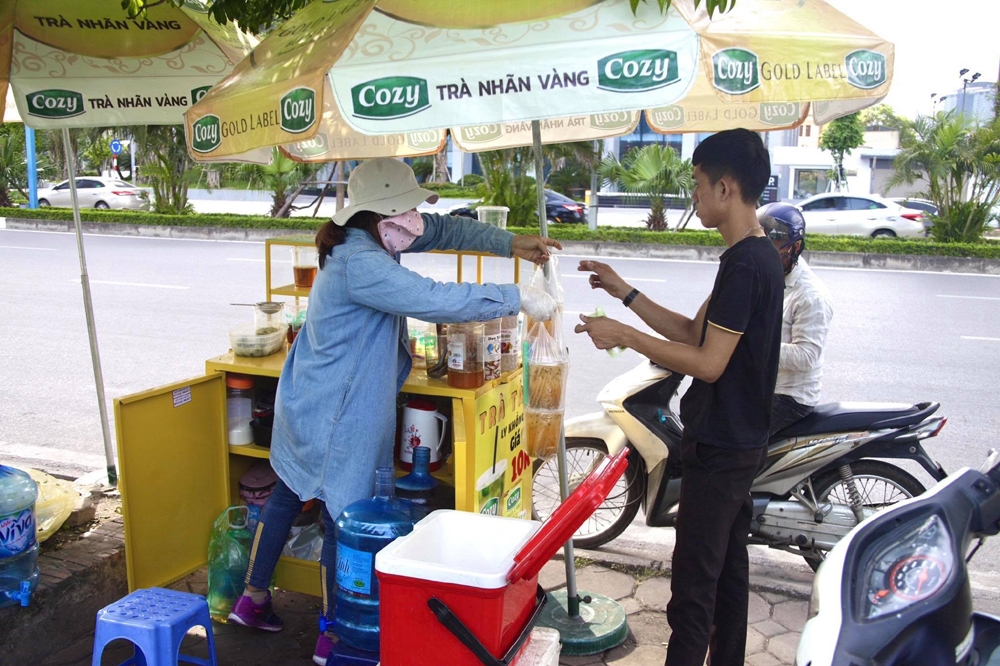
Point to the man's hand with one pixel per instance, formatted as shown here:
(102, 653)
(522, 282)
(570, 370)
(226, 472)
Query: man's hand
(605, 333)
(533, 248)
(604, 277)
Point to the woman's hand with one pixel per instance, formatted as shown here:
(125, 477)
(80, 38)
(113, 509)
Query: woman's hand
(605, 333)
(604, 277)
(533, 248)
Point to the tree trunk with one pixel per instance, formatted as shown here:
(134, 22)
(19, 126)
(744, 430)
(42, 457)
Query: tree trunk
(440, 172)
(279, 197)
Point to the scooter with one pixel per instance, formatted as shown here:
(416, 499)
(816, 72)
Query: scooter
(895, 591)
(820, 480)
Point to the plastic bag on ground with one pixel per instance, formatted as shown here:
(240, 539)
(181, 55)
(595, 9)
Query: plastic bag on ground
(56, 500)
(228, 559)
(305, 543)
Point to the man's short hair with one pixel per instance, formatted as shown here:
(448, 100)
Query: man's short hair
(739, 154)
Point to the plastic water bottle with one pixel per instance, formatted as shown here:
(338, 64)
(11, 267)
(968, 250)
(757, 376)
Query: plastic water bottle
(18, 543)
(364, 528)
(421, 488)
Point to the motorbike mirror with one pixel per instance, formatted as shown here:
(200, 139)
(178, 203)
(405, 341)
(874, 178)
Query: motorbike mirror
(992, 462)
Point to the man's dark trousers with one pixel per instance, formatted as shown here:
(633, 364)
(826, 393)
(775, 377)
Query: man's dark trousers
(710, 576)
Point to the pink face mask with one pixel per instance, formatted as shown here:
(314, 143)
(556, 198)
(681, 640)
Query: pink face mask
(399, 231)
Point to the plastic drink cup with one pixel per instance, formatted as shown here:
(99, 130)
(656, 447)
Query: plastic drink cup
(489, 488)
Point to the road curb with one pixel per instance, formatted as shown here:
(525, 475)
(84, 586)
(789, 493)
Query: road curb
(921, 263)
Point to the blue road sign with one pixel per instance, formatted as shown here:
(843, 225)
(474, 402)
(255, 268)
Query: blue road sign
(116, 146)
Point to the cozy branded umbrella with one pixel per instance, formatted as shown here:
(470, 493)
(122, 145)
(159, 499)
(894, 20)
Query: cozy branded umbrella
(84, 63)
(520, 72)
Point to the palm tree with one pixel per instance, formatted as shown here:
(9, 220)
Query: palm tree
(654, 170)
(279, 178)
(960, 165)
(13, 166)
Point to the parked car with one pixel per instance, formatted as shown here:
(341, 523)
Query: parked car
(860, 215)
(558, 208)
(923, 205)
(95, 192)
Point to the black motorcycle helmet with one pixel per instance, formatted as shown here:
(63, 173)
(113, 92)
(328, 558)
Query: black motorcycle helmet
(783, 222)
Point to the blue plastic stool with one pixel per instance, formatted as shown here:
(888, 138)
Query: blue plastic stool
(156, 621)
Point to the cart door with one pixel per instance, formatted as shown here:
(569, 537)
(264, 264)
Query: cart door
(173, 464)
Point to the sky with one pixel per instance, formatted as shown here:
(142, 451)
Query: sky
(934, 39)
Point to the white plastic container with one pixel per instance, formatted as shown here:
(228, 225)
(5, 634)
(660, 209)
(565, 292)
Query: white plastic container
(542, 649)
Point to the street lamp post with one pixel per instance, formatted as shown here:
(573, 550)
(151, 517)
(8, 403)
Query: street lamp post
(965, 83)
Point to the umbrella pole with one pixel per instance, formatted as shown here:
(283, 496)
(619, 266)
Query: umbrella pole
(572, 598)
(88, 308)
(603, 623)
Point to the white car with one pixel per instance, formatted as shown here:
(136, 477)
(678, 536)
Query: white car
(860, 215)
(95, 192)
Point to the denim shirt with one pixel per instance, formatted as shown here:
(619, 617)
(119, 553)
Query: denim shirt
(335, 413)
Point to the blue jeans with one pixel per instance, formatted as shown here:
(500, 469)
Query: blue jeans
(272, 532)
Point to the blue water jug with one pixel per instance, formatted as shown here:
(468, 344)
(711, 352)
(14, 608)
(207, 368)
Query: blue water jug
(18, 542)
(362, 529)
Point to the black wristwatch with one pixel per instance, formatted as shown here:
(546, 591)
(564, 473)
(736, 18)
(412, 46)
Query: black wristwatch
(631, 297)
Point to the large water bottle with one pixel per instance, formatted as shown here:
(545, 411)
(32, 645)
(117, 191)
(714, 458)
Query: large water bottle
(18, 543)
(364, 528)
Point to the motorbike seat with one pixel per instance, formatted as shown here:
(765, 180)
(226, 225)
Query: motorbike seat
(847, 416)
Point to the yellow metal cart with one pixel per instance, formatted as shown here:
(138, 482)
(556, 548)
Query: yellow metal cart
(177, 471)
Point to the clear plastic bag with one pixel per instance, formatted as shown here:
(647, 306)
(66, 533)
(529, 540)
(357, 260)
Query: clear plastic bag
(546, 371)
(546, 278)
(228, 559)
(305, 543)
(56, 500)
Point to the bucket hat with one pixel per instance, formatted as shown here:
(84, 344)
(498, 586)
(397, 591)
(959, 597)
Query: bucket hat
(384, 185)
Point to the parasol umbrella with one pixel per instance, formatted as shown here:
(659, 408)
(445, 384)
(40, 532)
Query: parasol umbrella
(526, 72)
(83, 63)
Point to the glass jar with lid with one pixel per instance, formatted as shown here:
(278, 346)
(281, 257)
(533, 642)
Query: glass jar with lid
(465, 355)
(239, 409)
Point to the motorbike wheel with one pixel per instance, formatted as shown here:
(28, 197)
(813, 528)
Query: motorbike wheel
(881, 485)
(612, 517)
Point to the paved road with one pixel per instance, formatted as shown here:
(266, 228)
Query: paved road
(163, 307)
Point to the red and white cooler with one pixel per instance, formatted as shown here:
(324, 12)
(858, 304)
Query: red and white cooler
(462, 588)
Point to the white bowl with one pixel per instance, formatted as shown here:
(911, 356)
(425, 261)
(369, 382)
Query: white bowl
(247, 342)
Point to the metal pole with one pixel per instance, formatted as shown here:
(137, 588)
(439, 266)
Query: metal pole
(338, 175)
(595, 184)
(572, 599)
(29, 149)
(88, 308)
(131, 154)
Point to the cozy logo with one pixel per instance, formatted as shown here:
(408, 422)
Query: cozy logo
(865, 69)
(480, 133)
(17, 533)
(206, 136)
(778, 114)
(513, 499)
(313, 147)
(637, 71)
(429, 140)
(298, 110)
(615, 120)
(491, 508)
(55, 104)
(668, 117)
(390, 97)
(735, 71)
(198, 93)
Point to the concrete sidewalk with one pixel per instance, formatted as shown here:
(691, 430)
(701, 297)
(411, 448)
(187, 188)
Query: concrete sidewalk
(773, 634)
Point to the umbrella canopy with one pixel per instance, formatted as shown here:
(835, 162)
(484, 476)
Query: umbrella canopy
(485, 69)
(83, 63)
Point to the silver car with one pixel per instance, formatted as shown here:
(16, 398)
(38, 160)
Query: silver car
(860, 215)
(96, 192)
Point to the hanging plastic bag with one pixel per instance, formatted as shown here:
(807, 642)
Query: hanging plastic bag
(546, 371)
(228, 559)
(546, 278)
(56, 500)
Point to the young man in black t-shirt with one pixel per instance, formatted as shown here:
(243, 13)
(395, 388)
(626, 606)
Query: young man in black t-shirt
(731, 351)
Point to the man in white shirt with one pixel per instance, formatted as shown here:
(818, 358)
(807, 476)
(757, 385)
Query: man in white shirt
(806, 317)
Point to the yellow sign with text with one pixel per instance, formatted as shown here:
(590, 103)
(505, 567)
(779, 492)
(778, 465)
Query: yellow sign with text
(502, 466)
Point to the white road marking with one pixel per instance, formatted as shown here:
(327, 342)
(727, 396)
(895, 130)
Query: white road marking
(133, 284)
(627, 279)
(973, 337)
(973, 298)
(65, 456)
(25, 247)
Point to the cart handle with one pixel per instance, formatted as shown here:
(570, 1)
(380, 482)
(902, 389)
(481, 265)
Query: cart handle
(469, 640)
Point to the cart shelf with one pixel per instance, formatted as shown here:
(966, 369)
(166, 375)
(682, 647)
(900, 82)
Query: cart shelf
(250, 450)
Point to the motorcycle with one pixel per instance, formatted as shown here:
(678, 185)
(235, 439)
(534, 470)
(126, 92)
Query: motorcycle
(895, 591)
(821, 478)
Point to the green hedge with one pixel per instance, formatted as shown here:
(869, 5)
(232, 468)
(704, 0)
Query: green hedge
(898, 246)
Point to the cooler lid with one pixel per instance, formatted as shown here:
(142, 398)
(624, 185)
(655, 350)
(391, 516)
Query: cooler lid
(568, 516)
